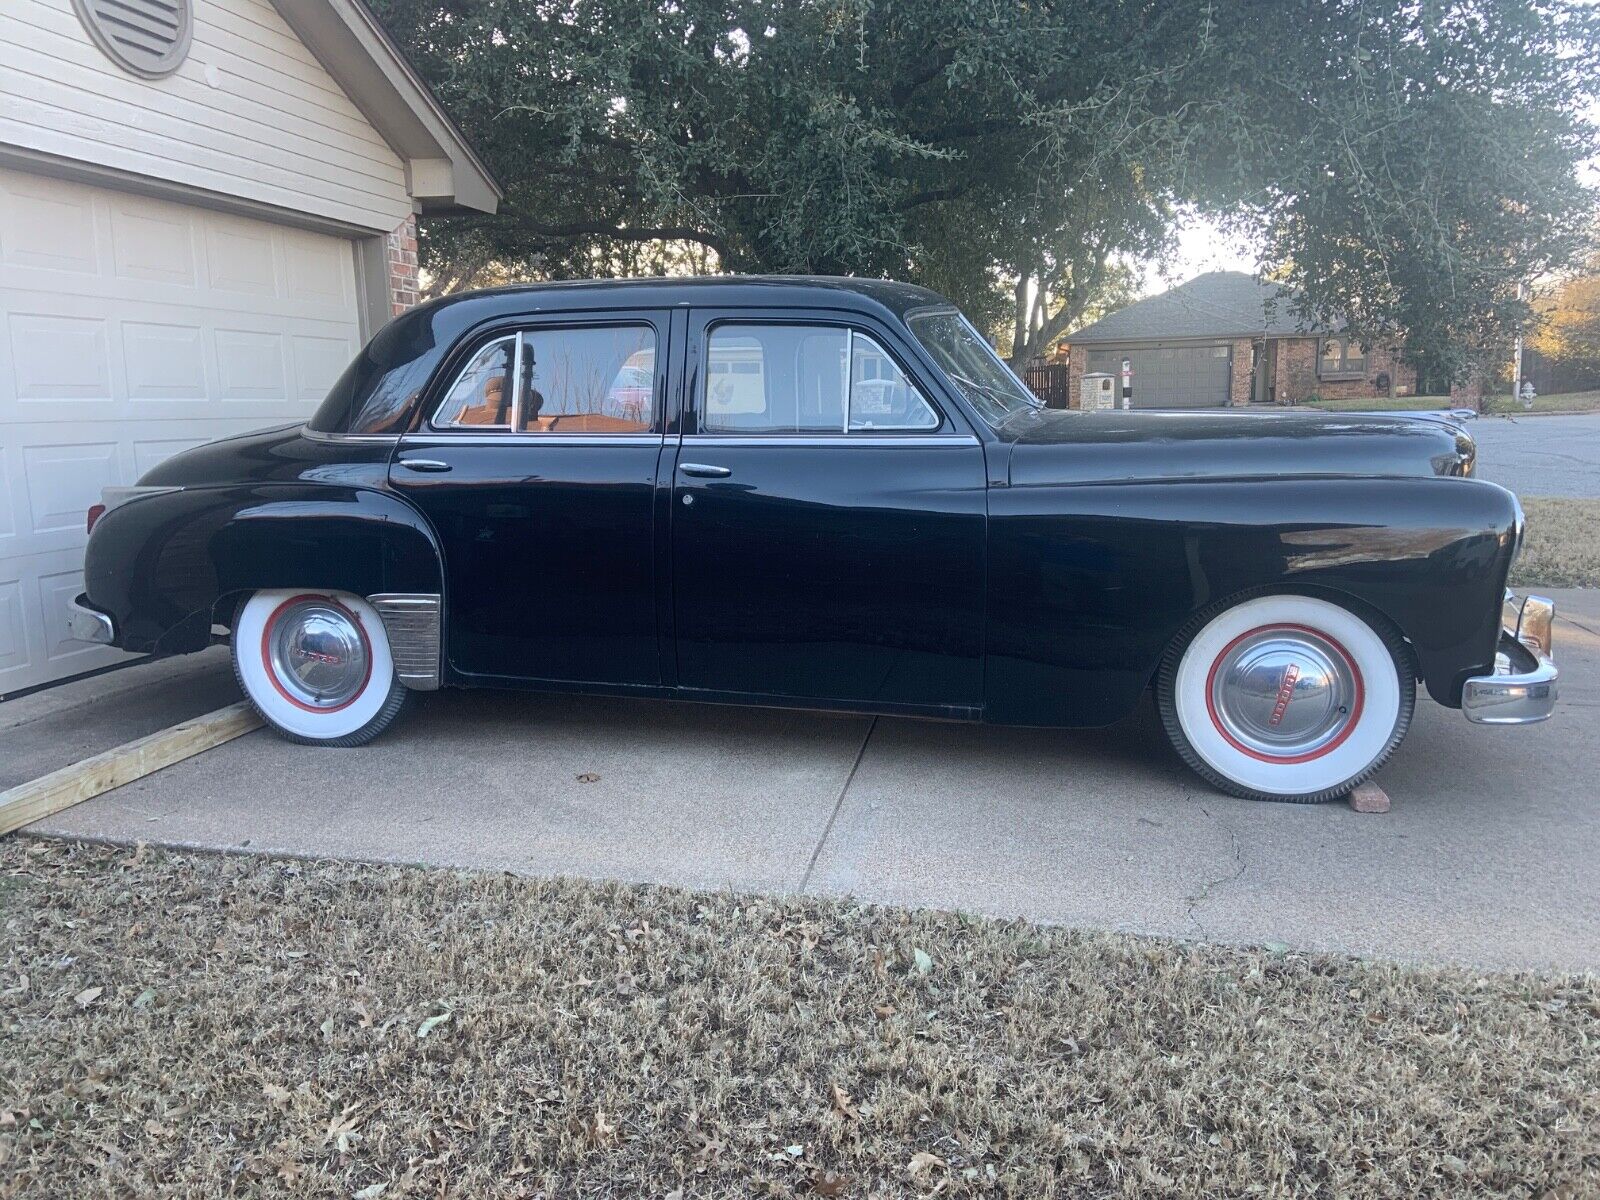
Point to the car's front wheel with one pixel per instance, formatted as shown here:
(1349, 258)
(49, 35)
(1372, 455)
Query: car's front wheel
(1286, 697)
(317, 667)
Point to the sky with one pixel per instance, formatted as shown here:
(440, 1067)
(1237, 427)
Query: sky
(1201, 247)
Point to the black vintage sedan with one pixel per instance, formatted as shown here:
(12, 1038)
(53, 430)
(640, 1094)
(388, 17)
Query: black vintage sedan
(826, 493)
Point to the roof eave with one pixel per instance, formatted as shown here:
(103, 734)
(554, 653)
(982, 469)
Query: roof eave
(443, 172)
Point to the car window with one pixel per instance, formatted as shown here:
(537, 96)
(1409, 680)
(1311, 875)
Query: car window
(481, 396)
(595, 380)
(797, 379)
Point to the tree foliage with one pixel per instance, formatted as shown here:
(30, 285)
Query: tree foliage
(1569, 331)
(1404, 165)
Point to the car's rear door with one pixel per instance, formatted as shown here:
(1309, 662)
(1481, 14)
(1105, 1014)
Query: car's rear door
(537, 467)
(827, 518)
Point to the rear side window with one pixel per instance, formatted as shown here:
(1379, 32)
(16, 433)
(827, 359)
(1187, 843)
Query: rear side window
(800, 379)
(585, 380)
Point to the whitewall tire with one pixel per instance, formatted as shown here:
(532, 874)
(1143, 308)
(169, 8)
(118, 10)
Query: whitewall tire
(1286, 697)
(316, 666)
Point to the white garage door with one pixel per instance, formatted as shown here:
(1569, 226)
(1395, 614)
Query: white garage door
(130, 329)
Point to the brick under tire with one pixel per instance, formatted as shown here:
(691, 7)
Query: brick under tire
(316, 666)
(1286, 697)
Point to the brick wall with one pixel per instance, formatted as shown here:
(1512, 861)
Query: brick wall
(1239, 384)
(400, 251)
(1076, 358)
(1296, 376)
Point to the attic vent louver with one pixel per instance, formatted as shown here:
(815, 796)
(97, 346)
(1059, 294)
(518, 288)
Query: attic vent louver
(147, 37)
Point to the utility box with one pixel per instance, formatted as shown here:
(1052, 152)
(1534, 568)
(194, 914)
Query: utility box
(1097, 390)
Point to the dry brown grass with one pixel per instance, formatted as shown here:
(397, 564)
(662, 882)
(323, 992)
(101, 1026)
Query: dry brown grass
(1563, 546)
(187, 1025)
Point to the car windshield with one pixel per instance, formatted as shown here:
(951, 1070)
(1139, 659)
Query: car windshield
(972, 365)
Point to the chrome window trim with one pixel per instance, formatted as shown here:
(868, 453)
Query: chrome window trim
(514, 433)
(516, 386)
(431, 437)
(851, 332)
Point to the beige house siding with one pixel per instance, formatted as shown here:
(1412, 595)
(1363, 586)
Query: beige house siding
(250, 113)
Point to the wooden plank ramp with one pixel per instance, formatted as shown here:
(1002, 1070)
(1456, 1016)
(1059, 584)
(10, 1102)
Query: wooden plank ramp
(28, 802)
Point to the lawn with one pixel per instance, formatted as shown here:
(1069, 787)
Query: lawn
(1568, 402)
(197, 1025)
(1563, 546)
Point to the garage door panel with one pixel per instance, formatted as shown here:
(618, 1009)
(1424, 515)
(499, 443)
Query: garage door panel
(13, 631)
(153, 245)
(250, 364)
(58, 357)
(48, 225)
(131, 329)
(164, 362)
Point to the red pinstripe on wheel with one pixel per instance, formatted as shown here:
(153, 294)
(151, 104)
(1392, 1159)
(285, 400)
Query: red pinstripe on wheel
(272, 675)
(1286, 759)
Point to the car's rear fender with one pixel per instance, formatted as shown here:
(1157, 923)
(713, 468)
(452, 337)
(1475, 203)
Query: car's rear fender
(165, 567)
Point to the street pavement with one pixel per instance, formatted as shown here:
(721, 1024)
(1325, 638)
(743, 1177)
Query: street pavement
(1540, 456)
(1488, 857)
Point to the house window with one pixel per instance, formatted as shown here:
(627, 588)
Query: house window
(1341, 358)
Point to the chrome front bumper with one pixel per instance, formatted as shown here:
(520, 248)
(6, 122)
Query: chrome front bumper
(88, 624)
(1522, 689)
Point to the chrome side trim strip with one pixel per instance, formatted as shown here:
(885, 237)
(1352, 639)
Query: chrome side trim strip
(832, 439)
(87, 624)
(411, 621)
(316, 435)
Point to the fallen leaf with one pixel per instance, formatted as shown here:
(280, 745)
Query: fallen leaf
(432, 1023)
(145, 998)
(923, 960)
(922, 1162)
(884, 1011)
(371, 1192)
(279, 1096)
(829, 1184)
(87, 997)
(843, 1105)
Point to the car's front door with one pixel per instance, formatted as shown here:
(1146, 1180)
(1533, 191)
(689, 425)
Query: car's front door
(537, 467)
(828, 519)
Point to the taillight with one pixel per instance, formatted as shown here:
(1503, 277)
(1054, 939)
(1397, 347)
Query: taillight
(96, 511)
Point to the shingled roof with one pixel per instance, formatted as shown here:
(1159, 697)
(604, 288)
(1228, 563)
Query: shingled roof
(1217, 304)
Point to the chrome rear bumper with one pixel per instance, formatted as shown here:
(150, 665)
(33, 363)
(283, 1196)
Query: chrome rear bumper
(87, 624)
(1522, 689)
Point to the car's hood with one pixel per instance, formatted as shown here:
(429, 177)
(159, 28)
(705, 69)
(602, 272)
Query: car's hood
(1055, 446)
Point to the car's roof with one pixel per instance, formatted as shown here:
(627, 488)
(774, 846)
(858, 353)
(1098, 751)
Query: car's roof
(731, 290)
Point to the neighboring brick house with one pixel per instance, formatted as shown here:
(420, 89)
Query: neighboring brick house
(1226, 338)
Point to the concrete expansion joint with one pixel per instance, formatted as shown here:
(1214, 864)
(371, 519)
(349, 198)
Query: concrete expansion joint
(838, 804)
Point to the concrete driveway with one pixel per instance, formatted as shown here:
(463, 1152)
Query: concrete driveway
(1488, 857)
(1541, 456)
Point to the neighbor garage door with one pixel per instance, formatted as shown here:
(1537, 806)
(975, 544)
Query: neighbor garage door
(130, 329)
(1171, 376)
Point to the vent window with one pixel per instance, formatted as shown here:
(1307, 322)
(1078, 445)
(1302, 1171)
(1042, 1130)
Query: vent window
(147, 37)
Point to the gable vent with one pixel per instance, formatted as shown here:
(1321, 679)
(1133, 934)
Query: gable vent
(147, 37)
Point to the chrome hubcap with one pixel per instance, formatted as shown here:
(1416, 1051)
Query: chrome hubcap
(1283, 694)
(318, 653)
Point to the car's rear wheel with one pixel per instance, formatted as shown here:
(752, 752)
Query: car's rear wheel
(317, 667)
(1286, 697)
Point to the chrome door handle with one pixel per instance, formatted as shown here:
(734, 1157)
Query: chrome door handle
(705, 470)
(424, 464)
